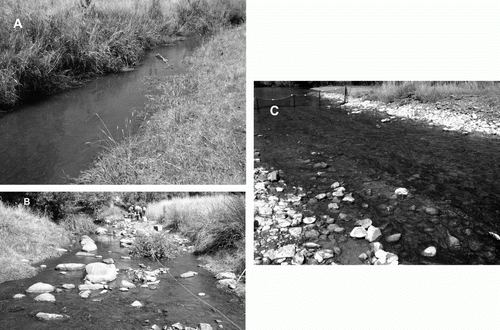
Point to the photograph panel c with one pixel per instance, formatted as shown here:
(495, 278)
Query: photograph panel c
(376, 172)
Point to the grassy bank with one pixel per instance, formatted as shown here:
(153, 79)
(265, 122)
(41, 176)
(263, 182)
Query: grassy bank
(424, 91)
(26, 235)
(215, 224)
(63, 42)
(196, 134)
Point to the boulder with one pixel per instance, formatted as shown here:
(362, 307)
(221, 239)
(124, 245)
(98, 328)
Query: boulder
(98, 272)
(127, 284)
(358, 232)
(373, 233)
(136, 304)
(68, 286)
(45, 297)
(101, 231)
(188, 274)
(109, 261)
(85, 287)
(40, 288)
(204, 326)
(365, 223)
(89, 246)
(70, 266)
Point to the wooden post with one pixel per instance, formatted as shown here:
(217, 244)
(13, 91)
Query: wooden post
(293, 100)
(345, 93)
(319, 98)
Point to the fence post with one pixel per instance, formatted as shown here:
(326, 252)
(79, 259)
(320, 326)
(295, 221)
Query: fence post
(345, 93)
(293, 100)
(319, 98)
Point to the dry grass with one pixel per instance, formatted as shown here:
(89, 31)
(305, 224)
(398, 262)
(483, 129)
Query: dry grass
(424, 91)
(197, 132)
(215, 224)
(26, 235)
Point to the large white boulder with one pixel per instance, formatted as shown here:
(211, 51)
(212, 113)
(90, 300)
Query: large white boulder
(40, 288)
(98, 272)
(45, 297)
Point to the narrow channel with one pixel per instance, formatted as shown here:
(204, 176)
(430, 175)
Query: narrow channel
(52, 140)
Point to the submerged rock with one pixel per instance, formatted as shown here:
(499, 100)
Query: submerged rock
(85, 294)
(188, 274)
(393, 238)
(50, 316)
(19, 296)
(40, 288)
(85, 254)
(68, 286)
(45, 297)
(70, 266)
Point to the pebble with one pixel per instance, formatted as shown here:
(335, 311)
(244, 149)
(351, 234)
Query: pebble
(429, 252)
(431, 210)
(393, 238)
(136, 304)
(19, 296)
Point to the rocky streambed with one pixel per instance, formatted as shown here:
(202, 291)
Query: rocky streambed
(98, 285)
(351, 186)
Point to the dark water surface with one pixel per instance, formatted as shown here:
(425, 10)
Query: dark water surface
(168, 304)
(56, 138)
(458, 174)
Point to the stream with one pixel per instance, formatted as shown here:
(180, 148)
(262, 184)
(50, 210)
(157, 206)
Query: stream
(52, 140)
(457, 174)
(168, 304)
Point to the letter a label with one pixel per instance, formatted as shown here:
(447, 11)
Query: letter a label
(18, 24)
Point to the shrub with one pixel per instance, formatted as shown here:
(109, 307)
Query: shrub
(157, 245)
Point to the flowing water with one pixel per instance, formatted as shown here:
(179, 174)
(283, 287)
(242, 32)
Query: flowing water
(168, 304)
(458, 174)
(54, 139)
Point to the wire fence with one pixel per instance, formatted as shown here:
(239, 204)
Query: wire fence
(312, 98)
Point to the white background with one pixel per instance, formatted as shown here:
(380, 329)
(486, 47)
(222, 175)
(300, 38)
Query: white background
(370, 40)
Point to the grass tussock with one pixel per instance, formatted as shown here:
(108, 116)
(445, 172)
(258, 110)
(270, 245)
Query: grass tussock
(156, 245)
(425, 91)
(62, 42)
(26, 235)
(79, 223)
(197, 132)
(215, 224)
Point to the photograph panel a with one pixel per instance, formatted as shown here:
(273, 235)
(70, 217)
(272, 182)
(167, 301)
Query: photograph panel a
(122, 260)
(376, 172)
(115, 92)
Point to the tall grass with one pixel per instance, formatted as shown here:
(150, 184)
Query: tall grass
(63, 42)
(25, 234)
(197, 132)
(215, 224)
(79, 223)
(425, 91)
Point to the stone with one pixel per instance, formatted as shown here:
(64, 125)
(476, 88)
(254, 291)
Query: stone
(320, 196)
(68, 286)
(298, 258)
(43, 266)
(85, 254)
(201, 294)
(45, 297)
(295, 231)
(178, 326)
(85, 287)
(365, 223)
(311, 245)
(70, 266)
(431, 210)
(311, 234)
(63, 272)
(85, 294)
(204, 326)
(226, 283)
(343, 217)
(429, 252)
(286, 251)
(50, 316)
(125, 257)
(273, 176)
(89, 246)
(98, 272)
(358, 232)
(363, 256)
(222, 275)
(127, 284)
(40, 288)
(188, 274)
(393, 238)
(334, 206)
(19, 296)
(123, 289)
(348, 198)
(453, 242)
(108, 261)
(158, 227)
(309, 220)
(401, 192)
(101, 231)
(136, 304)
(373, 233)
(125, 242)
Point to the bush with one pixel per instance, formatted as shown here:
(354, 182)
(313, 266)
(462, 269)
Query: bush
(157, 245)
